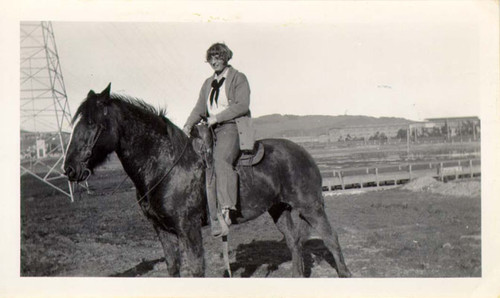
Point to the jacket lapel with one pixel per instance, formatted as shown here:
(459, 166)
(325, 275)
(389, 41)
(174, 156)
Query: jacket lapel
(229, 81)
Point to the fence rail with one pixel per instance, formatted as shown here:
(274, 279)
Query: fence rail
(399, 174)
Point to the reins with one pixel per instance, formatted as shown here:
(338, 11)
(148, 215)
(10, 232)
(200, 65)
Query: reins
(166, 174)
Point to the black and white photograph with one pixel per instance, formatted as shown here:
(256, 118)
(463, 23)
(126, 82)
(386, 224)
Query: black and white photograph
(248, 148)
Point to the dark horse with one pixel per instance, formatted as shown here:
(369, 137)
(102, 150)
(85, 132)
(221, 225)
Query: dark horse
(170, 180)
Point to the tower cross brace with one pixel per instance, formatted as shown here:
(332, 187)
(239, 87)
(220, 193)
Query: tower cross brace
(45, 112)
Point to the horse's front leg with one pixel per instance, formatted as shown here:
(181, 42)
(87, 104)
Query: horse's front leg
(191, 248)
(170, 244)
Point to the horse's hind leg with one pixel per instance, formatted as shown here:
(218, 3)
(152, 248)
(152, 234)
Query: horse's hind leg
(170, 246)
(318, 220)
(283, 220)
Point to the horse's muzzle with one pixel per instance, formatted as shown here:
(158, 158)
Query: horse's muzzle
(77, 175)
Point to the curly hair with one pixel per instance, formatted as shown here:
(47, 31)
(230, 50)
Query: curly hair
(221, 50)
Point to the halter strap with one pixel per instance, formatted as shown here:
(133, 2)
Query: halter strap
(90, 147)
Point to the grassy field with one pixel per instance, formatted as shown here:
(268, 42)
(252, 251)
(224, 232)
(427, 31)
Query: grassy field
(391, 233)
(426, 231)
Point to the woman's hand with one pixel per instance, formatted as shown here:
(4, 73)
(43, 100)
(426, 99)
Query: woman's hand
(187, 130)
(211, 120)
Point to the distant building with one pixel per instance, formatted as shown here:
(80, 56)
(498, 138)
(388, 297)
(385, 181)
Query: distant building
(365, 132)
(41, 148)
(452, 128)
(458, 126)
(41, 144)
(446, 128)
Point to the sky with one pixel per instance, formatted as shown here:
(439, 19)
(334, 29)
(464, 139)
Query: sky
(412, 59)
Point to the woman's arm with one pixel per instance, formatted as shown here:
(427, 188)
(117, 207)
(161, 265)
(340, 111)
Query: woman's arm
(241, 104)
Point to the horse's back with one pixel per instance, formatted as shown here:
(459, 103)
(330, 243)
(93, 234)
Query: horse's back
(296, 165)
(287, 173)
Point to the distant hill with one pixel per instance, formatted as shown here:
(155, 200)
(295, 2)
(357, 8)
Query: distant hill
(277, 125)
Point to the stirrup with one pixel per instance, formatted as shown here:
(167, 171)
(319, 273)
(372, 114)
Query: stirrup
(224, 228)
(226, 216)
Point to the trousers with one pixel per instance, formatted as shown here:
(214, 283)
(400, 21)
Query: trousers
(225, 154)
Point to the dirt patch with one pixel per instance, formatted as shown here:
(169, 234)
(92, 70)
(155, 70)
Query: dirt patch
(470, 188)
(389, 233)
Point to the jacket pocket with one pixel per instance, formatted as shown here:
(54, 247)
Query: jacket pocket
(246, 132)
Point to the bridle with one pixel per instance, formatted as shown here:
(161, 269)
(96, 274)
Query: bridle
(89, 147)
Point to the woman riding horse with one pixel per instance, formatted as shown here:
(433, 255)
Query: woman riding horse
(169, 178)
(224, 101)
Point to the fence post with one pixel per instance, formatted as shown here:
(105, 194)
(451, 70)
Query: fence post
(470, 169)
(342, 180)
(376, 177)
(441, 171)
(409, 170)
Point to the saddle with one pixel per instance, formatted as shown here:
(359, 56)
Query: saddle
(250, 158)
(203, 142)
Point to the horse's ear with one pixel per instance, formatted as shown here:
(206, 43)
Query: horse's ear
(106, 91)
(91, 93)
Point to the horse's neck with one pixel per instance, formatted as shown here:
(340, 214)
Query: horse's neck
(143, 150)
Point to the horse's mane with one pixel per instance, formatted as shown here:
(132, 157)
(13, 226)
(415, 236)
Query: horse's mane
(142, 106)
(89, 109)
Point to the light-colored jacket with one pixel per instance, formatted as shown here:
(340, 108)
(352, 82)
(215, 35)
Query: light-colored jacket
(238, 96)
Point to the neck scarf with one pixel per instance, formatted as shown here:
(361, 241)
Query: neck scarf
(214, 94)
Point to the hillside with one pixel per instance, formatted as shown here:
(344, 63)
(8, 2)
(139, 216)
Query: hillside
(277, 125)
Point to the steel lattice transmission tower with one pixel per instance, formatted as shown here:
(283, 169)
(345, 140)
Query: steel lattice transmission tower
(45, 112)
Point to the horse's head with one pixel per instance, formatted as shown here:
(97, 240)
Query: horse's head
(94, 136)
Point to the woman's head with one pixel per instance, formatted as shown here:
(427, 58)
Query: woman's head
(218, 55)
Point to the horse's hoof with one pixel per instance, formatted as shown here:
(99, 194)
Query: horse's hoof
(345, 274)
(227, 274)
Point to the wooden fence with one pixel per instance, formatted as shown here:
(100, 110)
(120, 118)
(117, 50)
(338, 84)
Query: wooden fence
(388, 175)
